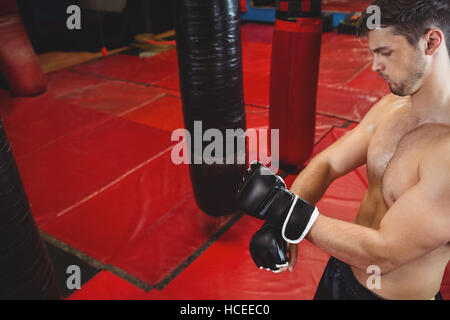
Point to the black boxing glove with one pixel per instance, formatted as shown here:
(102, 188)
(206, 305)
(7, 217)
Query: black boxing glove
(264, 195)
(268, 249)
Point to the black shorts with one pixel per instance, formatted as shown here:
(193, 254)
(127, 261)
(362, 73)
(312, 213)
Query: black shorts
(339, 283)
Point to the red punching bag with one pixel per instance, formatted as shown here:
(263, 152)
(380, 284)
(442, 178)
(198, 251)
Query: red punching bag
(294, 77)
(18, 62)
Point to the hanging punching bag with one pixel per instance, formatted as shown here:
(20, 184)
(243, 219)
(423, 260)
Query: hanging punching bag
(26, 271)
(210, 67)
(294, 78)
(18, 62)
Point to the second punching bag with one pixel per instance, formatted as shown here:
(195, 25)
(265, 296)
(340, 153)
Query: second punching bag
(26, 271)
(19, 65)
(294, 78)
(210, 66)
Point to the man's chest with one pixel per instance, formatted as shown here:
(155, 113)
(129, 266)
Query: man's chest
(395, 152)
(390, 163)
(385, 142)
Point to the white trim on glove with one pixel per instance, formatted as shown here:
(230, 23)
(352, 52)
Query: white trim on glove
(311, 221)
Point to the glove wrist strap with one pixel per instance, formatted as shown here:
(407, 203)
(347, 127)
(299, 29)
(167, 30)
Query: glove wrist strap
(299, 221)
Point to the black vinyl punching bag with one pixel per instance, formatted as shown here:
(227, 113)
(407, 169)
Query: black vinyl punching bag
(210, 66)
(26, 271)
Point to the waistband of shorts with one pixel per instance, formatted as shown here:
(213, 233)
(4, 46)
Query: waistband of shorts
(352, 283)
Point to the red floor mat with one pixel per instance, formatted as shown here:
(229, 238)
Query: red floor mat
(164, 113)
(33, 123)
(113, 97)
(168, 242)
(64, 81)
(107, 286)
(257, 117)
(171, 82)
(254, 32)
(256, 58)
(226, 271)
(57, 177)
(256, 89)
(70, 170)
(345, 103)
(132, 68)
(133, 232)
(121, 144)
(341, 59)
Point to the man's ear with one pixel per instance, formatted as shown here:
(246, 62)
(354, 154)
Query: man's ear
(434, 38)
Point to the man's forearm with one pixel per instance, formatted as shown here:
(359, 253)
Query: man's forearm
(353, 244)
(313, 181)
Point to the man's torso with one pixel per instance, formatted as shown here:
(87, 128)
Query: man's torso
(399, 144)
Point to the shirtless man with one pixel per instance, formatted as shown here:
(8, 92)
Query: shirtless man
(403, 225)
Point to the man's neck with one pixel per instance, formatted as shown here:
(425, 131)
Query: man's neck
(432, 102)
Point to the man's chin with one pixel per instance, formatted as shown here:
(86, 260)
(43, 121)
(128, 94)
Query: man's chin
(404, 93)
(398, 91)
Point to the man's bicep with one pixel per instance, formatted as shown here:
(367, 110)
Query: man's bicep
(416, 224)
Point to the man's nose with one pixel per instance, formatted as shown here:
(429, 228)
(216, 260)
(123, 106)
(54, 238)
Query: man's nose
(377, 66)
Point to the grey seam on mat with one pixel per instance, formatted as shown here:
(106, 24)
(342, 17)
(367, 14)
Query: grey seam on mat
(95, 263)
(128, 277)
(163, 283)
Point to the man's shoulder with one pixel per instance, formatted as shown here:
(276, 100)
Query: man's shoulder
(392, 101)
(387, 107)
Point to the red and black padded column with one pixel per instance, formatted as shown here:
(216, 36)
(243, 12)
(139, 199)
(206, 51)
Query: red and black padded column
(294, 78)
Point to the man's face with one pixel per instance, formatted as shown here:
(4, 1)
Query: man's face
(399, 63)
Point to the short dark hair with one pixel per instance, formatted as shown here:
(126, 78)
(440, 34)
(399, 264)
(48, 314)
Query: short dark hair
(410, 18)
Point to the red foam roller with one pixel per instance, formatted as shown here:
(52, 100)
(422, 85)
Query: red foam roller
(18, 62)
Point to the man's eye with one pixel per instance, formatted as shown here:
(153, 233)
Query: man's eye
(387, 54)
